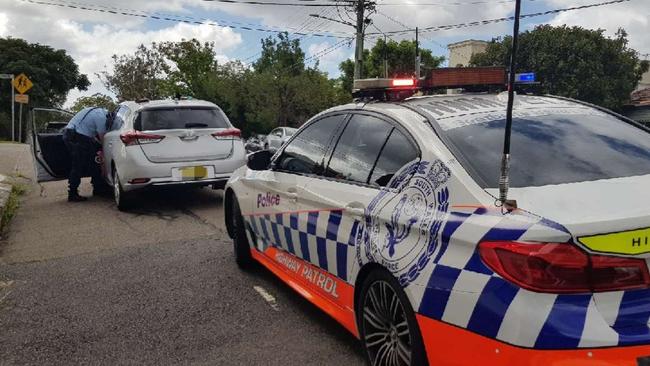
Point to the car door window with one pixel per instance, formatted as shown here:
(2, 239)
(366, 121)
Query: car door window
(357, 150)
(120, 117)
(306, 152)
(397, 152)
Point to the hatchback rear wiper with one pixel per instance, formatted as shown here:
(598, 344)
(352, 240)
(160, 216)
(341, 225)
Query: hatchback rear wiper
(195, 124)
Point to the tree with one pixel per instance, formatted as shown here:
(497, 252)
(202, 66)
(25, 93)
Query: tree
(400, 59)
(137, 76)
(573, 62)
(95, 100)
(190, 65)
(281, 91)
(53, 72)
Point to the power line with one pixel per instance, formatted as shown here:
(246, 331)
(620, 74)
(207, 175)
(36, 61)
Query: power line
(255, 2)
(505, 19)
(304, 25)
(396, 21)
(177, 20)
(219, 22)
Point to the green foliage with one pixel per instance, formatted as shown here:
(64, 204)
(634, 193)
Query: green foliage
(53, 73)
(573, 62)
(11, 206)
(277, 91)
(95, 100)
(398, 56)
(136, 76)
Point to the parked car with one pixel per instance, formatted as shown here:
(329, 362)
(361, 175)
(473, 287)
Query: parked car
(386, 216)
(157, 143)
(254, 143)
(278, 137)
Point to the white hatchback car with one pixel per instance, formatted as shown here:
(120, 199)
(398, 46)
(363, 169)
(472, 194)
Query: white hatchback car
(163, 142)
(276, 138)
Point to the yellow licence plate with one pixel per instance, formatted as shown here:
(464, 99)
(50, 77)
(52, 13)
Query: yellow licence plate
(194, 172)
(630, 242)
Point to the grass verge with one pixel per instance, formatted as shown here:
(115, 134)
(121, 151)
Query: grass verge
(11, 207)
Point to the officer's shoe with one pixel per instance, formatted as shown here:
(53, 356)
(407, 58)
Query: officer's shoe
(75, 197)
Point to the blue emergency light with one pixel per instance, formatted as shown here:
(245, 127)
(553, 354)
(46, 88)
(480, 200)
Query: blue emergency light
(526, 77)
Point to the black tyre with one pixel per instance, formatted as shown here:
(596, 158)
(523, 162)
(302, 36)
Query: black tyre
(123, 200)
(387, 326)
(240, 241)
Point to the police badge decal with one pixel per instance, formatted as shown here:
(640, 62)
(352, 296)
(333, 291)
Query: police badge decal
(402, 231)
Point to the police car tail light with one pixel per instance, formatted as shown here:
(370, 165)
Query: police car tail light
(562, 267)
(140, 138)
(228, 134)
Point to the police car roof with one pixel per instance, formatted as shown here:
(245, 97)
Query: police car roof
(442, 106)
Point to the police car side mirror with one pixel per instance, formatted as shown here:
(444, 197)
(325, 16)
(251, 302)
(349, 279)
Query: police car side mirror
(259, 160)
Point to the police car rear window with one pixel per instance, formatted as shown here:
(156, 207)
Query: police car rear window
(550, 148)
(180, 118)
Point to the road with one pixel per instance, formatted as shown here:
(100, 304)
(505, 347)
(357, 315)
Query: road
(86, 284)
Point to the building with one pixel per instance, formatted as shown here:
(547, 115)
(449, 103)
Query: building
(461, 52)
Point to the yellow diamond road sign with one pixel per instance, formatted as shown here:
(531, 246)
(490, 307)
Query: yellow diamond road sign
(22, 83)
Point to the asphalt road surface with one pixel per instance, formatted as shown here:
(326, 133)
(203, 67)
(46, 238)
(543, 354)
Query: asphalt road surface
(86, 284)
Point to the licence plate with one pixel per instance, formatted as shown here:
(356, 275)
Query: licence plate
(193, 172)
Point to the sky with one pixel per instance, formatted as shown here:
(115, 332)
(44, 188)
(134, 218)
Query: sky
(92, 37)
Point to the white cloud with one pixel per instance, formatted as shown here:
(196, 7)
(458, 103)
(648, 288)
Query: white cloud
(633, 16)
(91, 41)
(328, 55)
(4, 25)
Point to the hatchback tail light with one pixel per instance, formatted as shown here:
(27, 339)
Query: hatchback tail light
(140, 138)
(227, 134)
(562, 267)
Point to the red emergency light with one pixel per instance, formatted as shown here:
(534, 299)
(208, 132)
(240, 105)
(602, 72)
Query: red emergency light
(403, 82)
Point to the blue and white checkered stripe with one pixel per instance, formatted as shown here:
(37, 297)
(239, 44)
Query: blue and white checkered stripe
(461, 290)
(322, 238)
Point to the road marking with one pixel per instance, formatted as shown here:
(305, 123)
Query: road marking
(267, 297)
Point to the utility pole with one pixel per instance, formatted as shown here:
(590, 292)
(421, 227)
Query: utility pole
(360, 9)
(11, 85)
(417, 55)
(385, 57)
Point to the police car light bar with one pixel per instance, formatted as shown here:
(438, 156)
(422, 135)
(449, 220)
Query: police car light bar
(525, 78)
(383, 84)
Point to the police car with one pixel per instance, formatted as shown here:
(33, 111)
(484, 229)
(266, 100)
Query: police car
(385, 215)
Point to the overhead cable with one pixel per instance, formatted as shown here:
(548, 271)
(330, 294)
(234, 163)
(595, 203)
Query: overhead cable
(177, 20)
(504, 19)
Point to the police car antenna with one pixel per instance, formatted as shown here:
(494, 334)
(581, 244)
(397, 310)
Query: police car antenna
(504, 180)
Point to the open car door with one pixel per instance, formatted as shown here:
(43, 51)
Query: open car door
(51, 157)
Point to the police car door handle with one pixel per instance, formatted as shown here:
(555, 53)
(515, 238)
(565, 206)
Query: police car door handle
(291, 194)
(355, 210)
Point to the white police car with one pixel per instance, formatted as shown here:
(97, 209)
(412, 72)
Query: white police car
(383, 214)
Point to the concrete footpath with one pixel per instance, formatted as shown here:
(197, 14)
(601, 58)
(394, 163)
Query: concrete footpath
(16, 167)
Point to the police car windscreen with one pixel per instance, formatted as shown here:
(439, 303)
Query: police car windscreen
(584, 145)
(180, 118)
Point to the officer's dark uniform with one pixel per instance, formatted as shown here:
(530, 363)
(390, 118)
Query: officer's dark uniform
(79, 138)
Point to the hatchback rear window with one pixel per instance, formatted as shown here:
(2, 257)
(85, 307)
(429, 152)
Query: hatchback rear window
(548, 148)
(180, 118)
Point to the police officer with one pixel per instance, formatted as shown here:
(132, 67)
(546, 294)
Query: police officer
(81, 136)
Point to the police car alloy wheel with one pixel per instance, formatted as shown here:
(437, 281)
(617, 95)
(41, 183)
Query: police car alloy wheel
(240, 242)
(387, 325)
